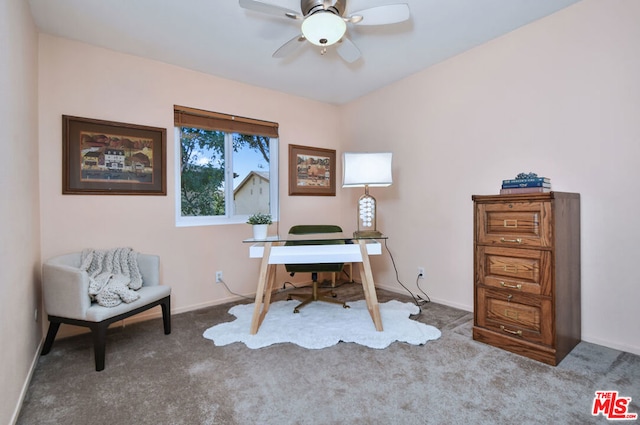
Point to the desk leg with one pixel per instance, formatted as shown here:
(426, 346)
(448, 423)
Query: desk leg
(263, 282)
(271, 278)
(369, 287)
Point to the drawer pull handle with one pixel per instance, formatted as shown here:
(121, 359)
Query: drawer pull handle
(518, 286)
(518, 240)
(519, 333)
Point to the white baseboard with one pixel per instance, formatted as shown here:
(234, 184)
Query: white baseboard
(27, 382)
(612, 345)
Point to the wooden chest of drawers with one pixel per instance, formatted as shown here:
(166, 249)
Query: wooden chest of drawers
(527, 273)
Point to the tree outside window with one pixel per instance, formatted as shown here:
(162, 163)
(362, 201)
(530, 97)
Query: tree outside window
(217, 169)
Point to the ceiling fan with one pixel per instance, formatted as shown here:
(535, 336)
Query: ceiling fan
(324, 23)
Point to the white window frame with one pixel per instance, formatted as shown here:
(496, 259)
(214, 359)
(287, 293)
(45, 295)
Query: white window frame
(228, 218)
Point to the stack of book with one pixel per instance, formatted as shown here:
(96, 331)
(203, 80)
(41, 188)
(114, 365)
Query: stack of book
(525, 185)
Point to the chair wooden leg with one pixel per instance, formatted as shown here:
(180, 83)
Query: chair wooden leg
(51, 336)
(166, 315)
(99, 331)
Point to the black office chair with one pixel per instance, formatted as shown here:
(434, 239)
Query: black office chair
(314, 269)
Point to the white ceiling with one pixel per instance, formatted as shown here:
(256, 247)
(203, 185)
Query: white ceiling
(218, 37)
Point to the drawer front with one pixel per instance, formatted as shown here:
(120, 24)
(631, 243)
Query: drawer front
(518, 223)
(520, 316)
(520, 270)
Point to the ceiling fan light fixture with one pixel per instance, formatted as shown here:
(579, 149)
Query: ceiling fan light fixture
(324, 28)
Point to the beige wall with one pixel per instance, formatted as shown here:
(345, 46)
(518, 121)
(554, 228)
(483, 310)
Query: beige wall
(19, 217)
(81, 80)
(560, 97)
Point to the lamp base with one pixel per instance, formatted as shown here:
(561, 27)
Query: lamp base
(367, 234)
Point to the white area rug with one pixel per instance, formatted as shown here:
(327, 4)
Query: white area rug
(320, 325)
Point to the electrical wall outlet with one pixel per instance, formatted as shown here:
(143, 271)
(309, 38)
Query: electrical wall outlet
(218, 277)
(421, 272)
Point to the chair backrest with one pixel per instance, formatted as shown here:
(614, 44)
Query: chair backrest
(306, 229)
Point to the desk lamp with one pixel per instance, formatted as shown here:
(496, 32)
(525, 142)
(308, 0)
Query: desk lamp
(366, 169)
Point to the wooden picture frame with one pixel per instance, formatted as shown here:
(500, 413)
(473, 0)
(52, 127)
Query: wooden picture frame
(112, 158)
(312, 171)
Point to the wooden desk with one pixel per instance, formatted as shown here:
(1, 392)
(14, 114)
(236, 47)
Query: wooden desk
(273, 252)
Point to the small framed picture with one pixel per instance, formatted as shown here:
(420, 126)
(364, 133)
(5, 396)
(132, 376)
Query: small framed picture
(312, 171)
(112, 158)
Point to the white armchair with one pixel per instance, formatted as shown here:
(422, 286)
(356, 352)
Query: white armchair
(66, 300)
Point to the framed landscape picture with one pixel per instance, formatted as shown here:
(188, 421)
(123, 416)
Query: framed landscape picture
(312, 171)
(112, 158)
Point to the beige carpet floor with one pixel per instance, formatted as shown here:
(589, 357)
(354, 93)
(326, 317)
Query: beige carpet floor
(184, 378)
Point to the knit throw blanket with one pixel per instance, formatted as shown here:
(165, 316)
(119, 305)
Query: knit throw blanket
(114, 275)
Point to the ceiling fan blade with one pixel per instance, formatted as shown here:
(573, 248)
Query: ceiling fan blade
(381, 15)
(268, 8)
(289, 47)
(347, 50)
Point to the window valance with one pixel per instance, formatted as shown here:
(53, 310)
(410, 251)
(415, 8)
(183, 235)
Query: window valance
(190, 117)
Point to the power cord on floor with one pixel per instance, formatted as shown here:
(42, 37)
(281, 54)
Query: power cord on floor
(237, 295)
(418, 300)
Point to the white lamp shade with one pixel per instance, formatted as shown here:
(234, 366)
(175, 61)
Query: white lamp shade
(323, 28)
(371, 169)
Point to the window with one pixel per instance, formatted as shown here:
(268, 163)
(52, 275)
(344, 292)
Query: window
(219, 158)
